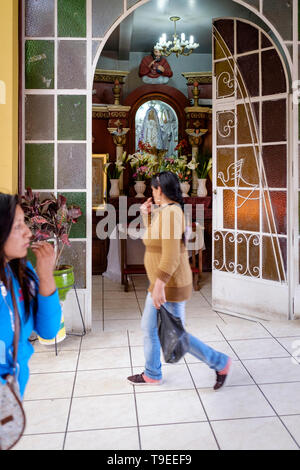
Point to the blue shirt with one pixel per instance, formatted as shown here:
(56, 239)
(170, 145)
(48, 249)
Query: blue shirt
(45, 322)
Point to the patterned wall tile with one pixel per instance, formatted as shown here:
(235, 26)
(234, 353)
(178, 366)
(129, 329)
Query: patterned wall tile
(39, 64)
(71, 166)
(39, 117)
(71, 65)
(39, 166)
(71, 117)
(71, 18)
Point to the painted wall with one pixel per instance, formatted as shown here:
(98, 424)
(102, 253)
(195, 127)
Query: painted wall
(192, 63)
(9, 96)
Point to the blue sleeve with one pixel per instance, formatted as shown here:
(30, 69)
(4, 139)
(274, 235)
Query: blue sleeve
(48, 312)
(48, 316)
(2, 381)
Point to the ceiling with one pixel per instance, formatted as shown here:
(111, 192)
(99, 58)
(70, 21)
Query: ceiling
(142, 29)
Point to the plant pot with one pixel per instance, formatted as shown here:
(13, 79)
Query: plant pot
(185, 187)
(114, 190)
(140, 188)
(64, 281)
(201, 190)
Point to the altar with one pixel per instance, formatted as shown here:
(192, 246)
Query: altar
(161, 123)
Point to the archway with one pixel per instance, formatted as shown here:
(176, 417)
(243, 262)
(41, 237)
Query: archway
(49, 113)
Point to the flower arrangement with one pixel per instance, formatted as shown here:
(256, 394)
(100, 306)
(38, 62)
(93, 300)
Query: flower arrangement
(177, 165)
(115, 169)
(50, 219)
(202, 164)
(143, 162)
(181, 147)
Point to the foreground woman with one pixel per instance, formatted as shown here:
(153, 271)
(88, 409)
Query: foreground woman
(169, 273)
(35, 292)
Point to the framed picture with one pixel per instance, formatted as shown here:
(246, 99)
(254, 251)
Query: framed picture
(99, 179)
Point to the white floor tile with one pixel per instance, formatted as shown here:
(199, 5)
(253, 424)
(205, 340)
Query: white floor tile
(41, 442)
(117, 439)
(104, 358)
(293, 425)
(283, 397)
(121, 325)
(46, 416)
(258, 348)
(189, 436)
(169, 407)
(102, 412)
(104, 340)
(292, 345)
(283, 328)
(273, 370)
(235, 402)
(243, 330)
(175, 377)
(50, 386)
(253, 434)
(102, 382)
(206, 377)
(125, 314)
(65, 361)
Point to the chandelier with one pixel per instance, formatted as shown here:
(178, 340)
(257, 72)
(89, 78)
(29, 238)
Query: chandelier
(180, 46)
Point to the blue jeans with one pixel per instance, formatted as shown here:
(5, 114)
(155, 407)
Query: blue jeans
(214, 359)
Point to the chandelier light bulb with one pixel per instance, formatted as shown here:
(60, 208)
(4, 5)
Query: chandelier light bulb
(178, 46)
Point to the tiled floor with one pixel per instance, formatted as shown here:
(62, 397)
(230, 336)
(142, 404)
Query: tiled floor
(81, 400)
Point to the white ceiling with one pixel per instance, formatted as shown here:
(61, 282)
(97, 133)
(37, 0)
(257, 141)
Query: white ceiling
(141, 30)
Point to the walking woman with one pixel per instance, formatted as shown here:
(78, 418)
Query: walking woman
(35, 293)
(169, 273)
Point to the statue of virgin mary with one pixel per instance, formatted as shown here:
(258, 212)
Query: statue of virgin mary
(151, 131)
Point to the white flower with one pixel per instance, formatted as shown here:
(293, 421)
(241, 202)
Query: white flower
(192, 165)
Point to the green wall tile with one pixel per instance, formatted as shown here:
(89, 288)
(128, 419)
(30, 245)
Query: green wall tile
(39, 64)
(71, 117)
(75, 255)
(39, 166)
(78, 230)
(71, 16)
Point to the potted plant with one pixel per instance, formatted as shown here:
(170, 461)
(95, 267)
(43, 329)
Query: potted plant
(203, 164)
(114, 170)
(143, 162)
(180, 166)
(52, 219)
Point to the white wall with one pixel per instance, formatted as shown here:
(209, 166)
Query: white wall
(192, 63)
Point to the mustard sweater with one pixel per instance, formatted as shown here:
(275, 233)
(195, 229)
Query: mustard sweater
(166, 257)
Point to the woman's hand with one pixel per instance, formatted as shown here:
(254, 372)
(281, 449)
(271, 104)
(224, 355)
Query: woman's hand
(45, 264)
(146, 207)
(158, 294)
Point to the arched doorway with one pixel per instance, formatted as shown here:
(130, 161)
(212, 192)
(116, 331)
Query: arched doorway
(50, 108)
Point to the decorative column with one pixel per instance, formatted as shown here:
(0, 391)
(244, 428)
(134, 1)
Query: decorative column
(119, 138)
(197, 115)
(108, 85)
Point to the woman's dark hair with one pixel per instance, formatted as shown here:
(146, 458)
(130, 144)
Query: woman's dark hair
(25, 276)
(170, 186)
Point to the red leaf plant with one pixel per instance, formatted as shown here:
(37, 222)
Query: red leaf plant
(50, 219)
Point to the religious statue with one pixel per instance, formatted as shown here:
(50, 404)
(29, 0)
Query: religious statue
(151, 130)
(154, 69)
(195, 135)
(119, 135)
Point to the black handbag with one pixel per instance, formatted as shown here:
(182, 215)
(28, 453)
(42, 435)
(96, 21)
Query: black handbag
(173, 338)
(12, 416)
